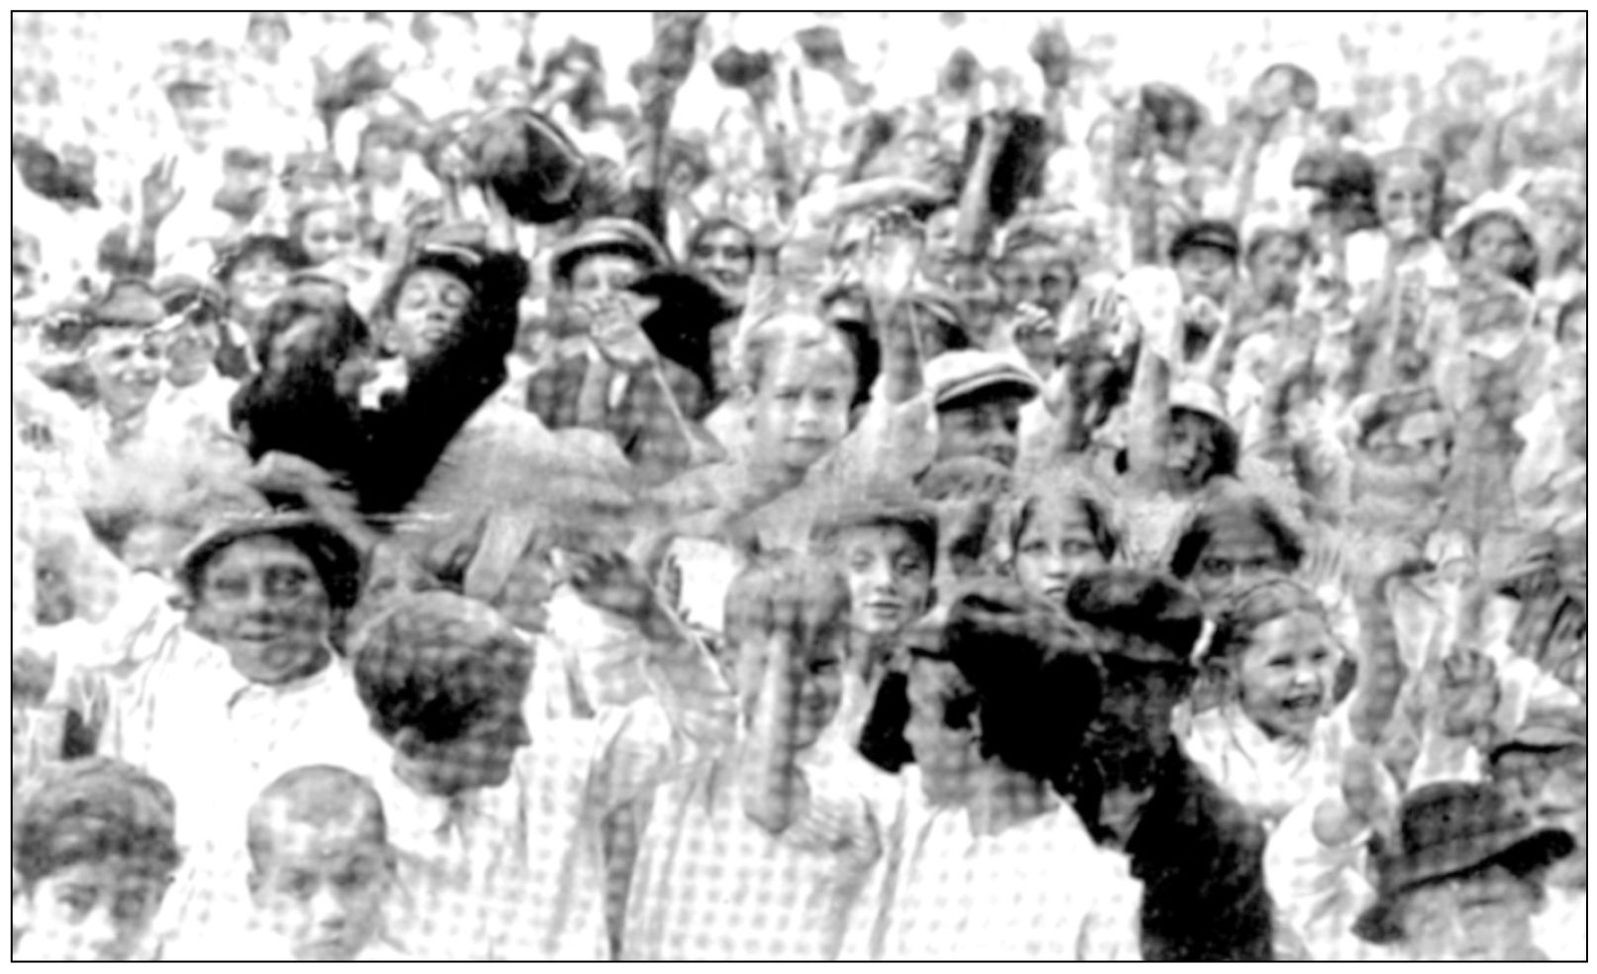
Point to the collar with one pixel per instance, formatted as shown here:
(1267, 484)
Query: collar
(245, 689)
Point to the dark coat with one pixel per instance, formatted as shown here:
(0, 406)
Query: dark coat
(1200, 857)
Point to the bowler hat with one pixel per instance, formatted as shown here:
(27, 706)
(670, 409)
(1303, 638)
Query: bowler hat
(1448, 828)
(335, 557)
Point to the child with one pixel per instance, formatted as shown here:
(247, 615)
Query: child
(500, 844)
(886, 546)
(1058, 528)
(321, 867)
(93, 853)
(781, 816)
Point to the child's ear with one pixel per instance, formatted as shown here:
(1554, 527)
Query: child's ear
(255, 882)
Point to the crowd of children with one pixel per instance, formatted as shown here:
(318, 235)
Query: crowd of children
(504, 523)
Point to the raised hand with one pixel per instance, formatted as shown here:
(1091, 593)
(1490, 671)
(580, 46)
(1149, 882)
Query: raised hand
(613, 582)
(892, 256)
(614, 327)
(159, 193)
(1467, 695)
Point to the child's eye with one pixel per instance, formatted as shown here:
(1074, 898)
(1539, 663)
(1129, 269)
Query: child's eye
(77, 902)
(131, 905)
(909, 565)
(1079, 549)
(230, 587)
(301, 886)
(1034, 547)
(859, 562)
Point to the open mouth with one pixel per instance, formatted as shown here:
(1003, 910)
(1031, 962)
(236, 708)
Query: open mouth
(1302, 706)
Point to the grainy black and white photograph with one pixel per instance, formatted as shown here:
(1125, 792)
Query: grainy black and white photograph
(772, 486)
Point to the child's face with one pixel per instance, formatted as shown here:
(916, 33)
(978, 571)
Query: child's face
(262, 600)
(329, 234)
(603, 276)
(1275, 268)
(1036, 275)
(816, 684)
(988, 428)
(945, 755)
(800, 412)
(1497, 245)
(1191, 454)
(1056, 545)
(1406, 205)
(92, 910)
(1240, 550)
(889, 578)
(1206, 271)
(1285, 677)
(429, 309)
(190, 349)
(323, 888)
(1482, 916)
(126, 365)
(256, 282)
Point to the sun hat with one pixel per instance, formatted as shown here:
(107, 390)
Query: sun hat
(335, 557)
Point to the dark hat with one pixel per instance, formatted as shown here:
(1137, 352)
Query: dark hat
(290, 253)
(336, 558)
(528, 160)
(129, 303)
(1454, 827)
(1206, 233)
(1545, 730)
(458, 249)
(1149, 617)
(737, 68)
(821, 43)
(608, 234)
(1336, 173)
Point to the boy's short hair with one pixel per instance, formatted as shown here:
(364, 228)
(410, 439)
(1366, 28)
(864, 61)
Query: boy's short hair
(435, 663)
(89, 810)
(318, 795)
(784, 332)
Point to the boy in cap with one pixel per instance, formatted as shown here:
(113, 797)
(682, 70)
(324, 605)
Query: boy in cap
(499, 843)
(92, 854)
(978, 398)
(253, 674)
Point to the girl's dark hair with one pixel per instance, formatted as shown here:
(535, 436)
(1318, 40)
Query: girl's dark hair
(286, 251)
(345, 333)
(1068, 487)
(1275, 597)
(714, 224)
(1200, 531)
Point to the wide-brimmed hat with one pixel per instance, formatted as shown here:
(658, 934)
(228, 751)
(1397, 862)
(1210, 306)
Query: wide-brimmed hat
(608, 234)
(1454, 827)
(1491, 204)
(1544, 730)
(335, 557)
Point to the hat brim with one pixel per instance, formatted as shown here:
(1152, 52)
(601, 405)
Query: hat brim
(1003, 386)
(337, 560)
(565, 263)
(1522, 853)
